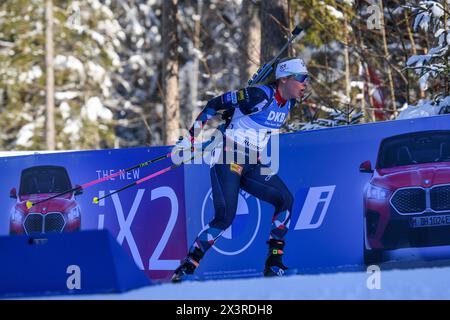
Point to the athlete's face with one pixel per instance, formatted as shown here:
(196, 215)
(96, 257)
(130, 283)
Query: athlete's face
(294, 87)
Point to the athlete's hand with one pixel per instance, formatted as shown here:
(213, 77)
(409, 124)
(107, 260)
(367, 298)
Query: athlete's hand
(189, 145)
(183, 144)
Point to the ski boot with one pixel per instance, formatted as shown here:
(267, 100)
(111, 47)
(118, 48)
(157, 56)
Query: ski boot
(185, 271)
(274, 266)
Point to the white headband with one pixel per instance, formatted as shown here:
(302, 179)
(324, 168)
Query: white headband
(290, 67)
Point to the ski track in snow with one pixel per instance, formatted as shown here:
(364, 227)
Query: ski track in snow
(425, 283)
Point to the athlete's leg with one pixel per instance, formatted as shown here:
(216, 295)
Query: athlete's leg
(225, 184)
(273, 190)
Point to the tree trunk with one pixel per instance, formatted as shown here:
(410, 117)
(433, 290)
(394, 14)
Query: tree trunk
(274, 28)
(251, 39)
(386, 57)
(368, 116)
(193, 84)
(347, 60)
(446, 88)
(367, 85)
(363, 99)
(50, 80)
(414, 52)
(170, 72)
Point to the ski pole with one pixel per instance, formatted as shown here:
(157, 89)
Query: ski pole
(29, 204)
(153, 175)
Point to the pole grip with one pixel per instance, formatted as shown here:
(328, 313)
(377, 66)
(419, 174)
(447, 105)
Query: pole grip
(297, 30)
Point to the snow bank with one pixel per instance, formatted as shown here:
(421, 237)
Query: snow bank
(427, 283)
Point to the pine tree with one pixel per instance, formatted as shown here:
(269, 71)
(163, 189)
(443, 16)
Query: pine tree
(433, 67)
(85, 40)
(326, 47)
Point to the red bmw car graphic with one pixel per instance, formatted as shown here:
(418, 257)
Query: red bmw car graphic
(59, 214)
(407, 200)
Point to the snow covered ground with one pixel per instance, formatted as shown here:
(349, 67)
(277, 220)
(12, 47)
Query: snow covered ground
(419, 283)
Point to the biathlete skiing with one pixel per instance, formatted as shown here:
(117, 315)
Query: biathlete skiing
(260, 108)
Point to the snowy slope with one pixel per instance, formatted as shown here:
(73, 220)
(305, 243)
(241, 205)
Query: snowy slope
(421, 283)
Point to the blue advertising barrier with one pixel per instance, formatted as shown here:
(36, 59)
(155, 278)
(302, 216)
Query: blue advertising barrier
(321, 169)
(148, 220)
(66, 263)
(155, 222)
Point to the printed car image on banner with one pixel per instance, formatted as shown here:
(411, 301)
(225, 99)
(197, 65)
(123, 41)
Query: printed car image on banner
(407, 201)
(60, 214)
(148, 219)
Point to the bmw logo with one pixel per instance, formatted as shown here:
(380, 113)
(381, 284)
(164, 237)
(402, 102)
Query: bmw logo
(427, 181)
(241, 234)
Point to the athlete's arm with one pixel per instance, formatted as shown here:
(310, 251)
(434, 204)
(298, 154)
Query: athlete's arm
(245, 99)
(250, 99)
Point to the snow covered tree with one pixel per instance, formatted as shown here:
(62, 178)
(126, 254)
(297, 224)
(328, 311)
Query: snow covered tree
(326, 47)
(208, 56)
(355, 65)
(21, 71)
(218, 51)
(85, 40)
(433, 67)
(136, 101)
